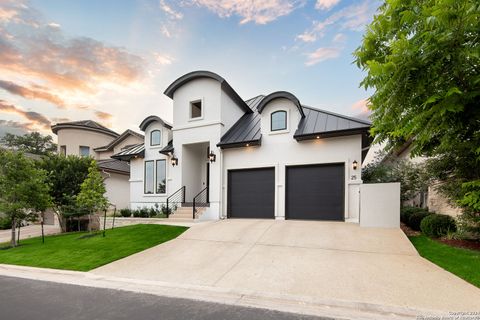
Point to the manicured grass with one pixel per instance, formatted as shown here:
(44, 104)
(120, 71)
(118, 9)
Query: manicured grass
(462, 262)
(72, 252)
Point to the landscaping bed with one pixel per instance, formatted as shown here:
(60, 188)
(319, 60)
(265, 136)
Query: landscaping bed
(74, 251)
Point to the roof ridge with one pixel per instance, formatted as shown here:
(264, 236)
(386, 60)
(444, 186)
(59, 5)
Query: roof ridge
(337, 114)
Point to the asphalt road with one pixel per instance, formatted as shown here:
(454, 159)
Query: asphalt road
(38, 300)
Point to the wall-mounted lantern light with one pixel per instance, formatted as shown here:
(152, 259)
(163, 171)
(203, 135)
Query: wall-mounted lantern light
(174, 161)
(212, 157)
(355, 165)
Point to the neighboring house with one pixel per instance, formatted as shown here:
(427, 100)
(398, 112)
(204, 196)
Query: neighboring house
(89, 138)
(267, 157)
(431, 198)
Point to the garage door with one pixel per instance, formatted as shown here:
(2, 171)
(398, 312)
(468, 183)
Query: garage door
(251, 193)
(315, 192)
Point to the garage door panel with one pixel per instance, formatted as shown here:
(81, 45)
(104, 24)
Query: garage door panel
(315, 192)
(251, 193)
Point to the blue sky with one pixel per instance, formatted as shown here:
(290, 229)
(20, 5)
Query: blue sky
(110, 61)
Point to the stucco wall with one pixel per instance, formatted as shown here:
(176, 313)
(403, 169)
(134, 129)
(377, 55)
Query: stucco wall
(281, 149)
(118, 190)
(74, 138)
(380, 205)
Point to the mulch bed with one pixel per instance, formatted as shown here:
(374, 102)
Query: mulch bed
(465, 244)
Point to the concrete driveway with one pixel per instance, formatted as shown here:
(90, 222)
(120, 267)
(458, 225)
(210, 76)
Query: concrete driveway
(320, 260)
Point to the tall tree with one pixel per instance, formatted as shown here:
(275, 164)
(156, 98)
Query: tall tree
(23, 188)
(65, 175)
(422, 58)
(32, 142)
(92, 192)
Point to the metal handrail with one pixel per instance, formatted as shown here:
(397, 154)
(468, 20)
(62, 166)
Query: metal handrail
(177, 195)
(197, 200)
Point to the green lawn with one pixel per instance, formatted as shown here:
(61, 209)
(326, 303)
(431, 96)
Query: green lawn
(72, 252)
(462, 262)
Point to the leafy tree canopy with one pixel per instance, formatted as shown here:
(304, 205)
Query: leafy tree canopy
(32, 142)
(422, 58)
(92, 191)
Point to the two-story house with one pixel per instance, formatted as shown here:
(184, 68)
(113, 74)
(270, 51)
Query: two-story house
(90, 139)
(266, 157)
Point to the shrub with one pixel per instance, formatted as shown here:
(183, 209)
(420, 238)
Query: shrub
(437, 225)
(416, 218)
(5, 223)
(126, 213)
(141, 213)
(406, 212)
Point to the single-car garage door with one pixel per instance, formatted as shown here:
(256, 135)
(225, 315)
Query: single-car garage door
(251, 193)
(315, 192)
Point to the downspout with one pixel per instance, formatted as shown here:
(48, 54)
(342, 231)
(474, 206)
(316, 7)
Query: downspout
(221, 204)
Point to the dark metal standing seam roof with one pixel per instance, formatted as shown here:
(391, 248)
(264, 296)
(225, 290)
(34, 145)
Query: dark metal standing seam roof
(246, 130)
(137, 150)
(167, 149)
(119, 139)
(114, 165)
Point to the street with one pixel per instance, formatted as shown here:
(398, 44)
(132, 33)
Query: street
(30, 299)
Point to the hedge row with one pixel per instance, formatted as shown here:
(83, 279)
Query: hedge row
(431, 224)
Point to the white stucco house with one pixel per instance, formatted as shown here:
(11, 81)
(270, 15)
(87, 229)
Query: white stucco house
(90, 139)
(266, 157)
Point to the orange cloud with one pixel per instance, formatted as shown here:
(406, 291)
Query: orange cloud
(361, 109)
(30, 93)
(103, 115)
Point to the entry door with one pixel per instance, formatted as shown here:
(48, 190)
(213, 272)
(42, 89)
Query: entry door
(315, 192)
(251, 193)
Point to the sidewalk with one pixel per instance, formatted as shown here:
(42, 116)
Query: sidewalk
(281, 302)
(29, 232)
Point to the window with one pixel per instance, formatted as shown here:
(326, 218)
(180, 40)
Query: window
(161, 176)
(279, 120)
(84, 151)
(196, 109)
(149, 177)
(155, 138)
(63, 150)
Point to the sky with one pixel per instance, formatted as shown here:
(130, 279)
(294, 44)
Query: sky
(110, 60)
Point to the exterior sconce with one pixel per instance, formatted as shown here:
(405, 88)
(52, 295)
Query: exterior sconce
(355, 165)
(212, 157)
(174, 161)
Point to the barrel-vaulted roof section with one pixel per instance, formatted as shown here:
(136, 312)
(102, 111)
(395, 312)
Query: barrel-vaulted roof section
(207, 74)
(281, 95)
(148, 120)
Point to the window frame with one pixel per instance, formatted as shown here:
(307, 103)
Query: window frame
(156, 175)
(190, 117)
(145, 177)
(63, 150)
(160, 142)
(286, 121)
(80, 151)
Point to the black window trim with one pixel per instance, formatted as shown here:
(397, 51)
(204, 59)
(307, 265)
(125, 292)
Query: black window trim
(151, 133)
(156, 175)
(271, 122)
(201, 109)
(145, 176)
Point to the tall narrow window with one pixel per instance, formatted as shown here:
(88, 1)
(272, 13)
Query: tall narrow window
(84, 151)
(196, 109)
(149, 177)
(63, 150)
(161, 177)
(279, 120)
(155, 138)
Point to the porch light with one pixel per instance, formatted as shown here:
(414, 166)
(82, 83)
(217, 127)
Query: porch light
(355, 165)
(212, 157)
(174, 161)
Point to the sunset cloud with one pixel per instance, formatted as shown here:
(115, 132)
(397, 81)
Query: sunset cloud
(34, 118)
(361, 110)
(103, 115)
(326, 4)
(31, 93)
(169, 10)
(322, 54)
(259, 12)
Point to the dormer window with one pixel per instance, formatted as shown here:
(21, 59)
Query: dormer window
(278, 120)
(155, 138)
(196, 109)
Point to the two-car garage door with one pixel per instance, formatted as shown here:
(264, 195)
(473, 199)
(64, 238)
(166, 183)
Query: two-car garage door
(314, 192)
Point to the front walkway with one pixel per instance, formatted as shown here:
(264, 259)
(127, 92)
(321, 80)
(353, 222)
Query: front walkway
(332, 261)
(29, 232)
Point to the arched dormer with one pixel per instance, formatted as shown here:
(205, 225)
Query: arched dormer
(281, 95)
